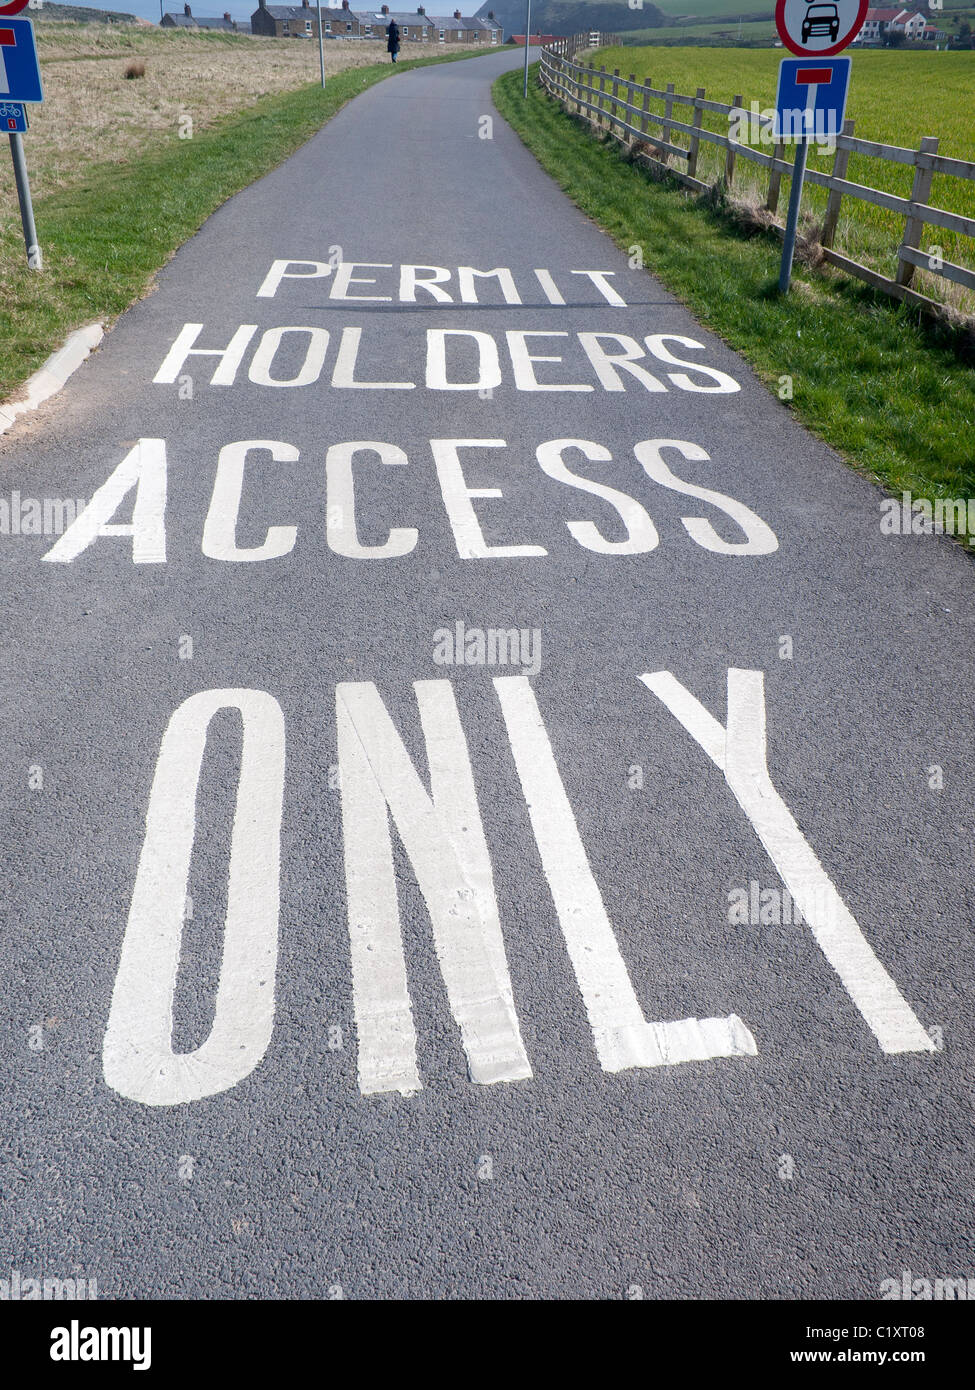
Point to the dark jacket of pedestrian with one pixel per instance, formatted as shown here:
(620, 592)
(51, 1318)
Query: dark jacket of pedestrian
(392, 37)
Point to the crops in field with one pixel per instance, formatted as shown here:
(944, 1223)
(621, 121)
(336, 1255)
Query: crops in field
(895, 98)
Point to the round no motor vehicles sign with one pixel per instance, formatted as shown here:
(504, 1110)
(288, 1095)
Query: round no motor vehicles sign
(819, 27)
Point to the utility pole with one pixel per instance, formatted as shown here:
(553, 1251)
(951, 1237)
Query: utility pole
(321, 42)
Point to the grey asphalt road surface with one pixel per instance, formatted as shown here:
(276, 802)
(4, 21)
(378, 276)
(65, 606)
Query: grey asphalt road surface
(370, 927)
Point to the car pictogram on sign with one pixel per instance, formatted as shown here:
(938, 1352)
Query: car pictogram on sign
(821, 19)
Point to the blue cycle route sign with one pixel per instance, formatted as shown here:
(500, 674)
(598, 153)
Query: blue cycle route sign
(13, 118)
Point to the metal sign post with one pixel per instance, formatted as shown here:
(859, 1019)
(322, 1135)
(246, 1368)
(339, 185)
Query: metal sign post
(792, 221)
(34, 261)
(20, 82)
(812, 29)
(528, 34)
(321, 42)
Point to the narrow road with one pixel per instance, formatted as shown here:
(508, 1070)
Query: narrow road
(487, 811)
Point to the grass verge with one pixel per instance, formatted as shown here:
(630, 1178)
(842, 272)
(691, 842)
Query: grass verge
(104, 238)
(890, 390)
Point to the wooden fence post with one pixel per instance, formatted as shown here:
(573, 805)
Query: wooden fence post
(644, 123)
(695, 140)
(840, 160)
(914, 226)
(668, 134)
(775, 178)
(729, 159)
(614, 120)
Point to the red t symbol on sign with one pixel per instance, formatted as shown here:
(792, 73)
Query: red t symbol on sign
(8, 39)
(812, 78)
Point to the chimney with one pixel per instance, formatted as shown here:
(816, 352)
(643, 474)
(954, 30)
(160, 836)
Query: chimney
(457, 14)
(188, 12)
(420, 9)
(385, 9)
(226, 15)
(304, 4)
(345, 4)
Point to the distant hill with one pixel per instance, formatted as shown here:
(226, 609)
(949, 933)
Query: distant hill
(79, 14)
(574, 16)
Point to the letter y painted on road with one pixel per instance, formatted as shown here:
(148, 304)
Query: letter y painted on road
(739, 751)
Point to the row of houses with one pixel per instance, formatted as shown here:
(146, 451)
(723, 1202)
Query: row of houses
(301, 21)
(915, 26)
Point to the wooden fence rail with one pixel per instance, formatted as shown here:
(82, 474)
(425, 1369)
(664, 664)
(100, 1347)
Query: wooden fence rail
(620, 106)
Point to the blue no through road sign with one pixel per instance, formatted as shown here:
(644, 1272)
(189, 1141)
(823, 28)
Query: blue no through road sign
(811, 99)
(20, 73)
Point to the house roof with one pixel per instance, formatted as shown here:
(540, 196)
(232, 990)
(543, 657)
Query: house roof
(192, 21)
(402, 17)
(882, 16)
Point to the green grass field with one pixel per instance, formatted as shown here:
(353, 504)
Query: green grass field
(720, 9)
(721, 28)
(942, 85)
(903, 406)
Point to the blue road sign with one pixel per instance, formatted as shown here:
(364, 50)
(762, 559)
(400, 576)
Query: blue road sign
(811, 98)
(20, 73)
(13, 118)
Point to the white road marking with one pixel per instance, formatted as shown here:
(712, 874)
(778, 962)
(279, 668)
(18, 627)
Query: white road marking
(523, 362)
(260, 368)
(552, 292)
(143, 468)
(279, 271)
(598, 277)
(138, 1058)
(468, 536)
(220, 527)
(622, 1036)
(760, 539)
(739, 751)
(723, 383)
(444, 839)
(230, 357)
(341, 531)
(488, 362)
(641, 534)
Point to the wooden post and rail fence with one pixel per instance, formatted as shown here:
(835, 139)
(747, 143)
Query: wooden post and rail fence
(620, 106)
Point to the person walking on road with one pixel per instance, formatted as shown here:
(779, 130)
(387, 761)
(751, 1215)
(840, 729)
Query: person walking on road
(392, 38)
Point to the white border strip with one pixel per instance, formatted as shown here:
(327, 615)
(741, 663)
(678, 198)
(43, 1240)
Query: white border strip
(49, 379)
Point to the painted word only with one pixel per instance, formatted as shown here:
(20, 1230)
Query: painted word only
(442, 834)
